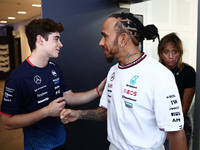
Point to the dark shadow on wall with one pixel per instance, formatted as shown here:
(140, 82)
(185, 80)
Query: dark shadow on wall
(82, 61)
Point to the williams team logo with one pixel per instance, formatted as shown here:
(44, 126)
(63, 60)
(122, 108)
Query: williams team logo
(112, 76)
(54, 73)
(37, 79)
(133, 80)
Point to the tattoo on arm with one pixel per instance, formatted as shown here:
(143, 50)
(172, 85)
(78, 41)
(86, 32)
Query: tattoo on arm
(98, 114)
(129, 55)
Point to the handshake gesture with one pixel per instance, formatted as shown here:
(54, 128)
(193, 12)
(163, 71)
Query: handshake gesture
(98, 114)
(68, 115)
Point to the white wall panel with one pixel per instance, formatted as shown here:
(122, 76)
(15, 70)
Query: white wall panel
(178, 16)
(160, 13)
(183, 15)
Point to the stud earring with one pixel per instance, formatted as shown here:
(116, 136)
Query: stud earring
(122, 45)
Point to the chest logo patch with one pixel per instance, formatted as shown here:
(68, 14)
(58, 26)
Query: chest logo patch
(128, 104)
(37, 79)
(112, 76)
(54, 73)
(133, 80)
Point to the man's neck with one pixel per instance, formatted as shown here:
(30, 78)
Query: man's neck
(38, 60)
(129, 57)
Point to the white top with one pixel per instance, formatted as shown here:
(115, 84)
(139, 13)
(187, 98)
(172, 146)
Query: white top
(142, 102)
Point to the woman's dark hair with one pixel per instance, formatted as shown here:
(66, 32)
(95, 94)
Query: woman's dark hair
(41, 27)
(134, 28)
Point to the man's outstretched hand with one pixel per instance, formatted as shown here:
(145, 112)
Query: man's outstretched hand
(68, 115)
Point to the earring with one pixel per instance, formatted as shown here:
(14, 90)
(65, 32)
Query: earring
(122, 45)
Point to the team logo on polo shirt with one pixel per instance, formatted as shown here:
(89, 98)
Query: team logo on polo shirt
(112, 76)
(54, 73)
(128, 104)
(176, 120)
(174, 108)
(175, 114)
(133, 80)
(37, 79)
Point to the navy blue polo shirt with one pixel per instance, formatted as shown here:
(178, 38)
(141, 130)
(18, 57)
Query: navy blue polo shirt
(29, 88)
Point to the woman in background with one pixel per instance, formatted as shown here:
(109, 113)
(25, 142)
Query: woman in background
(170, 51)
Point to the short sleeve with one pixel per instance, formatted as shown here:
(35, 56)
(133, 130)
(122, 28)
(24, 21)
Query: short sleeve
(65, 85)
(11, 99)
(103, 100)
(168, 109)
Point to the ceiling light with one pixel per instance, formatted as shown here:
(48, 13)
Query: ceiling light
(11, 17)
(36, 5)
(3, 21)
(21, 12)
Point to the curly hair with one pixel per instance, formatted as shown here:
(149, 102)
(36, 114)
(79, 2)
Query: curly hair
(132, 26)
(41, 27)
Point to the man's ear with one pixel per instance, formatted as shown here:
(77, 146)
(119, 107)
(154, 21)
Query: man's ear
(123, 39)
(39, 39)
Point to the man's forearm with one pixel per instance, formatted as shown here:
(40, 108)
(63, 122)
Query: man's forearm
(80, 98)
(177, 140)
(23, 120)
(99, 114)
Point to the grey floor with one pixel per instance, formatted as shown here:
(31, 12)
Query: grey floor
(9, 139)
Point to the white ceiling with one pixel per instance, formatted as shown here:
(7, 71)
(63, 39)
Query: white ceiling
(10, 8)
